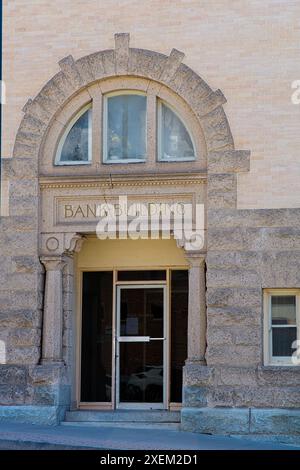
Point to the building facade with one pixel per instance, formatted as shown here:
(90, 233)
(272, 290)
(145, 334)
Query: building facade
(152, 322)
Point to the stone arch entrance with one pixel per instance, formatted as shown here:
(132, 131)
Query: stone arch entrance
(214, 185)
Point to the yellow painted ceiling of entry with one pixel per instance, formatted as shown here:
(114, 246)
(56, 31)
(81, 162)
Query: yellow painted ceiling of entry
(97, 253)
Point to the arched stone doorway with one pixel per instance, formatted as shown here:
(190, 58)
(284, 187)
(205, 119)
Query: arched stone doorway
(211, 180)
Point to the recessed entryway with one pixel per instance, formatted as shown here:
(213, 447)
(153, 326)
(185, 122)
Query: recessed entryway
(133, 335)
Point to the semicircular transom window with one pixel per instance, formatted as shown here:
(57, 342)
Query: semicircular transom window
(75, 145)
(174, 140)
(125, 127)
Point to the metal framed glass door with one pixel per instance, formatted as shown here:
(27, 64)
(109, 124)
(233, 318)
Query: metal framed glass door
(141, 347)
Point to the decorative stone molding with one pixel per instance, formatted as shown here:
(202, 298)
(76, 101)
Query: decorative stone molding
(60, 244)
(77, 75)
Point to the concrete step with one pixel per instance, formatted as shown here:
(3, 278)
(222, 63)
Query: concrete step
(123, 416)
(122, 424)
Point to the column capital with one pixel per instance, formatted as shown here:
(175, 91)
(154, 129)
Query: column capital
(195, 258)
(53, 263)
(59, 244)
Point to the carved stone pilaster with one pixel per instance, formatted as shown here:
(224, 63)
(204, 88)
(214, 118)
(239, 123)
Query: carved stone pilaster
(197, 308)
(53, 310)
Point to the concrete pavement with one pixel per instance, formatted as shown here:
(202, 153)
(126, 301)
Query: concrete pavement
(26, 436)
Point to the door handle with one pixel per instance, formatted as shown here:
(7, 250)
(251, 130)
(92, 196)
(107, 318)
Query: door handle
(133, 339)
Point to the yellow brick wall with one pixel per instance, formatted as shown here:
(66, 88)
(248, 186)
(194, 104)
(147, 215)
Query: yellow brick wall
(248, 49)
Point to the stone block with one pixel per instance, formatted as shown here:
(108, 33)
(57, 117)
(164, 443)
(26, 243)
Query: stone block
(61, 82)
(277, 376)
(84, 68)
(230, 161)
(196, 374)
(209, 103)
(171, 66)
(93, 63)
(25, 264)
(232, 296)
(13, 375)
(254, 218)
(215, 420)
(6, 394)
(235, 334)
(216, 131)
(189, 85)
(68, 67)
(48, 374)
(235, 376)
(194, 396)
(146, 63)
(108, 61)
(19, 168)
(25, 337)
(244, 316)
(240, 355)
(25, 150)
(121, 53)
(233, 277)
(40, 415)
(221, 191)
(22, 355)
(275, 421)
(19, 318)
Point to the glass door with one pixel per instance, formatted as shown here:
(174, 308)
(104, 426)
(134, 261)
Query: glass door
(141, 347)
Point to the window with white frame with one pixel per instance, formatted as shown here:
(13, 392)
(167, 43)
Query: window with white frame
(124, 126)
(282, 326)
(75, 145)
(174, 140)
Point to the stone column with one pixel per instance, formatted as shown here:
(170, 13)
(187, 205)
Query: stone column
(197, 309)
(53, 310)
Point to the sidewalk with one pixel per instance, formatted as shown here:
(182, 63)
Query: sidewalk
(25, 436)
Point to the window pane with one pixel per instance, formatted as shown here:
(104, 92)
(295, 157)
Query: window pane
(96, 346)
(76, 145)
(176, 141)
(179, 324)
(141, 372)
(142, 275)
(282, 341)
(283, 309)
(126, 132)
(142, 312)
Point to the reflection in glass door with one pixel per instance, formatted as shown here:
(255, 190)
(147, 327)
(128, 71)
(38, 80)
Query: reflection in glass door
(141, 347)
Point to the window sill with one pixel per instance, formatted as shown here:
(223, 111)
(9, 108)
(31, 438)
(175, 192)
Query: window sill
(276, 366)
(72, 163)
(123, 162)
(178, 160)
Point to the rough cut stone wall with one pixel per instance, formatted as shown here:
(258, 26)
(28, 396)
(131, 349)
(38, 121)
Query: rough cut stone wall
(248, 250)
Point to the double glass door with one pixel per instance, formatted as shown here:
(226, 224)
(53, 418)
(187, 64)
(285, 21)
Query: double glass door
(141, 346)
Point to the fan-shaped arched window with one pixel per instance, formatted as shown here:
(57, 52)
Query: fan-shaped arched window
(132, 122)
(174, 140)
(75, 144)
